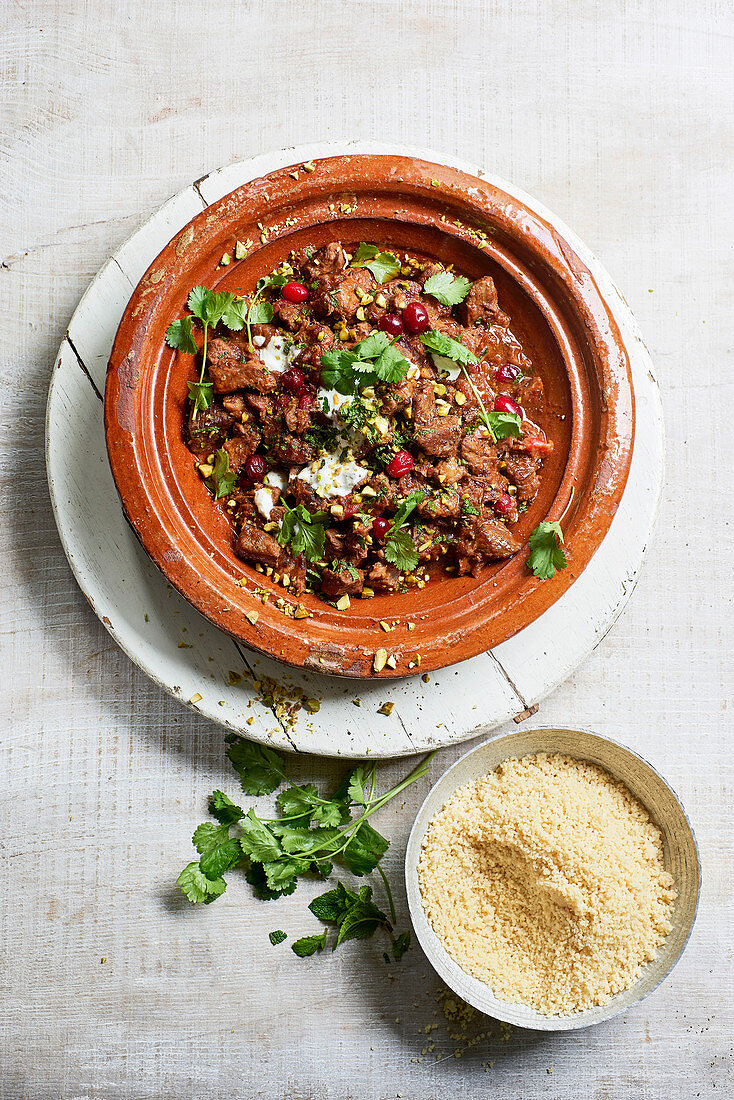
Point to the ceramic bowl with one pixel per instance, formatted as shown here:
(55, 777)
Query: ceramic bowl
(557, 312)
(680, 855)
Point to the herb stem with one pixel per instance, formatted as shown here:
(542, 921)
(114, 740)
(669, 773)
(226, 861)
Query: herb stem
(388, 891)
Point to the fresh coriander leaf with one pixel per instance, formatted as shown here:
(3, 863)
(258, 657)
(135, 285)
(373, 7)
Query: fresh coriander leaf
(408, 506)
(281, 873)
(297, 800)
(356, 789)
(220, 859)
(400, 550)
(303, 531)
(257, 841)
(401, 945)
(256, 878)
(331, 813)
(446, 288)
(277, 937)
(372, 346)
(260, 313)
(546, 550)
(197, 887)
(209, 836)
(445, 345)
(235, 315)
(309, 945)
(503, 424)
(321, 867)
(274, 281)
(179, 334)
(260, 769)
(202, 394)
(224, 809)
(222, 480)
(364, 252)
(307, 843)
(365, 849)
(391, 366)
(209, 306)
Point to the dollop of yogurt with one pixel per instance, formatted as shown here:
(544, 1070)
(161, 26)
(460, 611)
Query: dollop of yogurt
(446, 366)
(334, 477)
(278, 354)
(331, 401)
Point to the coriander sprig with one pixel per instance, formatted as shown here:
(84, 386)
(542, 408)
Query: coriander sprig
(399, 546)
(309, 833)
(500, 425)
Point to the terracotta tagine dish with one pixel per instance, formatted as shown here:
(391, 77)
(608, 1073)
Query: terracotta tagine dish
(436, 214)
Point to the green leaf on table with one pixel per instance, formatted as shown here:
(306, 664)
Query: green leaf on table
(197, 887)
(223, 809)
(309, 945)
(260, 769)
(365, 849)
(277, 937)
(257, 841)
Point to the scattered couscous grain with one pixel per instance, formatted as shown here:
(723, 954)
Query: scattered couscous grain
(545, 880)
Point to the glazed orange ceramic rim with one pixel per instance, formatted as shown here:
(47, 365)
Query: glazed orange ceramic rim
(453, 619)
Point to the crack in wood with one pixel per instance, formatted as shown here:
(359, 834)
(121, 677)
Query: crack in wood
(252, 673)
(509, 679)
(83, 365)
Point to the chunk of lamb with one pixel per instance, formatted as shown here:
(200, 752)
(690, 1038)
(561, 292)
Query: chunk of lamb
(240, 447)
(230, 369)
(483, 540)
(441, 438)
(290, 450)
(336, 296)
(290, 315)
(206, 431)
(522, 470)
(481, 304)
(384, 577)
(257, 546)
(341, 581)
(329, 260)
(480, 454)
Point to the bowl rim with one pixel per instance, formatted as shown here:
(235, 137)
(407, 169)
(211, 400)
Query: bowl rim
(324, 651)
(445, 966)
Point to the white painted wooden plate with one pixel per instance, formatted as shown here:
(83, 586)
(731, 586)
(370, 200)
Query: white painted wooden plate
(193, 660)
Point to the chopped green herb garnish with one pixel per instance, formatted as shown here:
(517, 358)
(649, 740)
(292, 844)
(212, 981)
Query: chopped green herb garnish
(277, 937)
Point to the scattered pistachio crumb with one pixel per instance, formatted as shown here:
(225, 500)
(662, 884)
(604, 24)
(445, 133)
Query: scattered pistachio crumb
(386, 708)
(252, 617)
(380, 660)
(196, 697)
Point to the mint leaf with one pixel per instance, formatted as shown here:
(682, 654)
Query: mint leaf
(445, 345)
(277, 937)
(309, 945)
(222, 481)
(546, 550)
(179, 334)
(361, 920)
(365, 849)
(331, 906)
(260, 769)
(197, 887)
(446, 288)
(401, 945)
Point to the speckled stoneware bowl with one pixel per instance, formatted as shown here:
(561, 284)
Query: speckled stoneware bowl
(680, 854)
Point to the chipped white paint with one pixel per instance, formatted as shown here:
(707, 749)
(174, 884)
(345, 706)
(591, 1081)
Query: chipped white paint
(482, 692)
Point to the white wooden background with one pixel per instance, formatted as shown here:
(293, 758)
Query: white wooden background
(617, 116)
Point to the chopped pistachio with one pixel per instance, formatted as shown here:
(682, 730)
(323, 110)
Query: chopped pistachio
(367, 592)
(309, 166)
(392, 661)
(460, 398)
(342, 603)
(240, 251)
(252, 617)
(386, 708)
(205, 470)
(312, 705)
(196, 697)
(379, 662)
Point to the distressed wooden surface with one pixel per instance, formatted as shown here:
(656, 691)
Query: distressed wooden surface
(619, 118)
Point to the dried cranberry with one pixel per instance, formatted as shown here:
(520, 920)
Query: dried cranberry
(508, 372)
(380, 527)
(505, 404)
(391, 324)
(294, 380)
(401, 464)
(503, 504)
(255, 467)
(350, 509)
(415, 317)
(294, 292)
